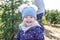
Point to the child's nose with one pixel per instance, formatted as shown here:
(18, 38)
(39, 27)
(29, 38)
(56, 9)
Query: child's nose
(28, 18)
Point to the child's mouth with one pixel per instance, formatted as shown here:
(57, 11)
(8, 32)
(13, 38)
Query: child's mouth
(28, 21)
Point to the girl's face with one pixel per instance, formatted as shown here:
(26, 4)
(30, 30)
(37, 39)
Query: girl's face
(29, 20)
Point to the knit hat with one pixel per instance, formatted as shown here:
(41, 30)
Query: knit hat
(28, 10)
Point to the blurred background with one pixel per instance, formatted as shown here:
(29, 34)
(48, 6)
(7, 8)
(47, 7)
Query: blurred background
(10, 18)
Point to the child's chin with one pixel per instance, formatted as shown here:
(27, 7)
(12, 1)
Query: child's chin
(28, 25)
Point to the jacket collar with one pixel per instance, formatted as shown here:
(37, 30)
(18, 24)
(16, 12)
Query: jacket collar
(24, 28)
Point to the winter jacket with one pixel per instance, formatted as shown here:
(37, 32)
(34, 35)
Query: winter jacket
(33, 33)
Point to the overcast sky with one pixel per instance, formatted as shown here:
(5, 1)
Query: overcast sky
(52, 4)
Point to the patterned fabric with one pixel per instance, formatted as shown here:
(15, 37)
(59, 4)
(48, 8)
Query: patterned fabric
(33, 33)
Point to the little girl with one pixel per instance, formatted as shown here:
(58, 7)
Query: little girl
(30, 29)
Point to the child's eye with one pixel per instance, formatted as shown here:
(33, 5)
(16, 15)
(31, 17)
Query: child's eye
(25, 17)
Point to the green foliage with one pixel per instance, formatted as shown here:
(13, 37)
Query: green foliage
(9, 19)
(58, 18)
(53, 16)
(44, 20)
